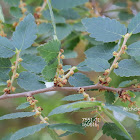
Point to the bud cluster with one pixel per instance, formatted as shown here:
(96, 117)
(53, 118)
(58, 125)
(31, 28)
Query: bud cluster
(60, 80)
(104, 81)
(22, 6)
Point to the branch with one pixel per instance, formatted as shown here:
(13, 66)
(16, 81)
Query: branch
(97, 86)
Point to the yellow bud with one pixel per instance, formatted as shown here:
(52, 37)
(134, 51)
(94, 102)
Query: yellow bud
(20, 60)
(115, 65)
(108, 79)
(62, 57)
(16, 75)
(13, 89)
(81, 90)
(115, 54)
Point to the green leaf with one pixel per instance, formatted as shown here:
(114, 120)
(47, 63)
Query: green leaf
(68, 127)
(134, 49)
(104, 29)
(17, 115)
(73, 97)
(33, 63)
(70, 14)
(93, 41)
(15, 12)
(58, 18)
(118, 124)
(102, 51)
(65, 4)
(1, 15)
(109, 97)
(134, 25)
(5, 65)
(3, 78)
(79, 27)
(138, 124)
(128, 83)
(85, 104)
(22, 133)
(45, 28)
(6, 48)
(50, 70)
(70, 54)
(63, 30)
(23, 106)
(110, 129)
(50, 50)
(66, 134)
(30, 81)
(128, 67)
(62, 109)
(25, 33)
(83, 67)
(125, 15)
(122, 111)
(97, 64)
(79, 79)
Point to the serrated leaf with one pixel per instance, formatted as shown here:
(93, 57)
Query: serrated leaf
(6, 48)
(97, 64)
(1, 15)
(122, 111)
(85, 104)
(68, 127)
(50, 50)
(134, 49)
(102, 51)
(104, 29)
(134, 25)
(45, 28)
(30, 81)
(128, 67)
(5, 65)
(70, 14)
(79, 27)
(63, 30)
(50, 70)
(83, 67)
(65, 4)
(58, 18)
(23, 106)
(17, 115)
(3, 78)
(33, 63)
(110, 129)
(73, 97)
(109, 97)
(62, 109)
(93, 41)
(79, 79)
(70, 54)
(117, 123)
(15, 12)
(27, 131)
(25, 33)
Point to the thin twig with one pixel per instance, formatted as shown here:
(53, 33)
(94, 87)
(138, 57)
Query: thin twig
(97, 86)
